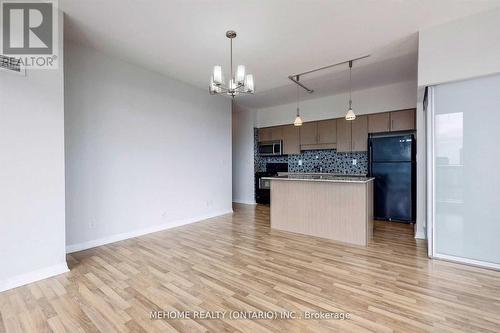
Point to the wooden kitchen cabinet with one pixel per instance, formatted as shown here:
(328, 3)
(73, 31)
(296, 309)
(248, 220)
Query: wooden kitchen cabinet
(277, 133)
(403, 120)
(309, 133)
(379, 122)
(291, 140)
(271, 133)
(265, 134)
(359, 134)
(327, 131)
(344, 133)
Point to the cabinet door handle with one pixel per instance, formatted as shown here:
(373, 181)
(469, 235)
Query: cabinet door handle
(392, 124)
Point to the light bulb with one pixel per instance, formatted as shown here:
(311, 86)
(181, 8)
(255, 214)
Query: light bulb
(298, 121)
(249, 85)
(350, 115)
(217, 78)
(211, 86)
(240, 74)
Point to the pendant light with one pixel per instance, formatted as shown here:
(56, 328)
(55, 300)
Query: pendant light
(240, 83)
(298, 120)
(350, 114)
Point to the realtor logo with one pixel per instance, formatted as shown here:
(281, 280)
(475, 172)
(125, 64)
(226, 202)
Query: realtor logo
(29, 28)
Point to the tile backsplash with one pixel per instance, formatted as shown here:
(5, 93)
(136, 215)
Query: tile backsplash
(329, 160)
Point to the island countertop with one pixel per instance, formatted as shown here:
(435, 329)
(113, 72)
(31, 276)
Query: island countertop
(321, 178)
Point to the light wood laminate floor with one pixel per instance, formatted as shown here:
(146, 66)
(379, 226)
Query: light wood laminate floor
(235, 262)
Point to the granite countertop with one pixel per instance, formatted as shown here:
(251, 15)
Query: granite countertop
(322, 174)
(322, 178)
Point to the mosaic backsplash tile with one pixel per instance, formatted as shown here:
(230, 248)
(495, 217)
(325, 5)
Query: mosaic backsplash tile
(312, 160)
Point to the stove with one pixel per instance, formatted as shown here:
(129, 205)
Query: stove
(263, 194)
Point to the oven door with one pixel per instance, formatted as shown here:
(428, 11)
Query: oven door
(264, 184)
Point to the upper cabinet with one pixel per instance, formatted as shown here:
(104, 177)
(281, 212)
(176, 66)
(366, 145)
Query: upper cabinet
(327, 131)
(318, 135)
(309, 133)
(352, 135)
(289, 134)
(265, 134)
(403, 120)
(379, 122)
(344, 135)
(291, 140)
(392, 121)
(271, 133)
(359, 134)
(277, 133)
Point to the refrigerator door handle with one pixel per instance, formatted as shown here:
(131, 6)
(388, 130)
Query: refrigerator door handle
(370, 158)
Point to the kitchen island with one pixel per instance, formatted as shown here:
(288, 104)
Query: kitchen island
(334, 207)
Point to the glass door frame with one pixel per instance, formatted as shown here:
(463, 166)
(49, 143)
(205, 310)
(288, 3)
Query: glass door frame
(429, 109)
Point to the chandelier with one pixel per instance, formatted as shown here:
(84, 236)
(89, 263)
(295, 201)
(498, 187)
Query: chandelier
(240, 83)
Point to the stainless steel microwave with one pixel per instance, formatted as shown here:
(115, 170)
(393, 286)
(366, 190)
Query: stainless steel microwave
(271, 148)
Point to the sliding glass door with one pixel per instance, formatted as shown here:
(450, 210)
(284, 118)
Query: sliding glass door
(464, 149)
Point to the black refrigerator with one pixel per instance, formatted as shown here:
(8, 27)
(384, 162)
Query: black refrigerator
(392, 162)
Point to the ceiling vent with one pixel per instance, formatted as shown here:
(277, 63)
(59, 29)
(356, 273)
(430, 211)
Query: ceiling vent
(11, 64)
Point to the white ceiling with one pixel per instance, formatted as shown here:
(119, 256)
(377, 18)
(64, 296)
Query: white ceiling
(183, 39)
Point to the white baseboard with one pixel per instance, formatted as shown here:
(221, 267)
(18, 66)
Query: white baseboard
(466, 261)
(39, 274)
(245, 202)
(136, 233)
(420, 235)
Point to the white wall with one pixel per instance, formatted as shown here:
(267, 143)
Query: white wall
(421, 223)
(465, 48)
(143, 152)
(32, 236)
(243, 155)
(402, 95)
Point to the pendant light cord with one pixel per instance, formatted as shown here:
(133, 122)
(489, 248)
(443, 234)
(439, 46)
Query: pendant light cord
(350, 84)
(298, 95)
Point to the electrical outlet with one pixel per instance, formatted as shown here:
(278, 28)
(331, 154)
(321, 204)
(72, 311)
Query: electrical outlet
(354, 161)
(300, 162)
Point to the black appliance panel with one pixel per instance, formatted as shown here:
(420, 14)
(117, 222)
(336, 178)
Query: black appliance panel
(276, 167)
(392, 149)
(392, 163)
(393, 191)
